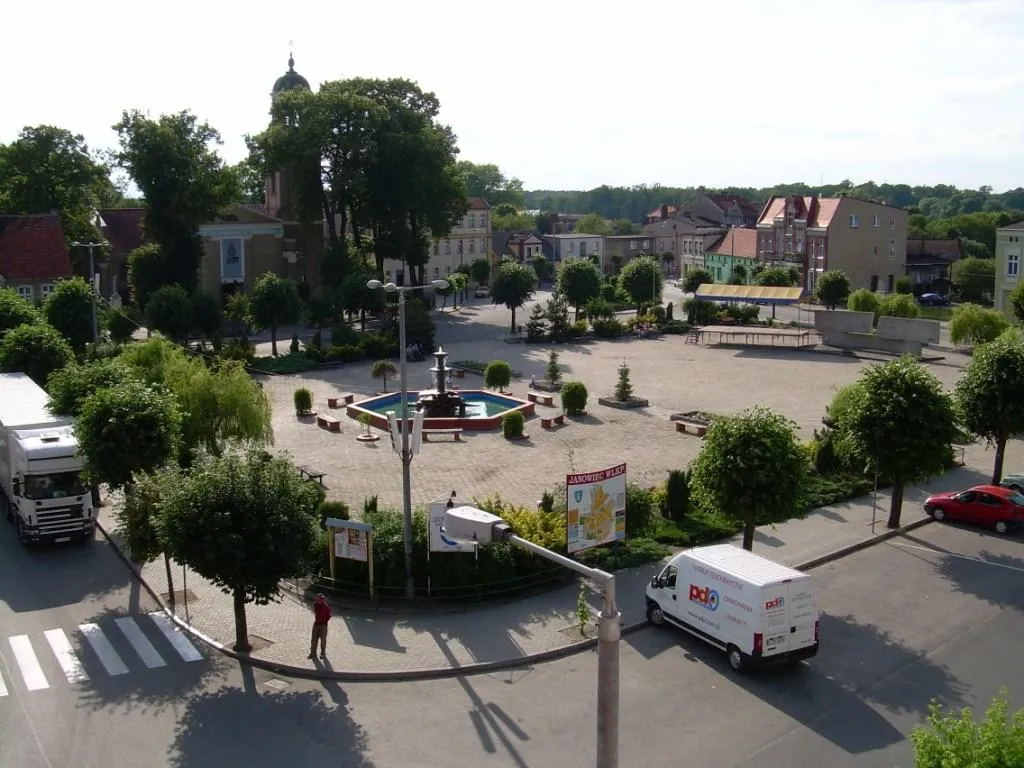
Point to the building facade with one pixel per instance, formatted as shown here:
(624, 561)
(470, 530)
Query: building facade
(1009, 255)
(242, 245)
(685, 239)
(733, 256)
(619, 250)
(122, 228)
(33, 255)
(558, 248)
(866, 240)
(930, 262)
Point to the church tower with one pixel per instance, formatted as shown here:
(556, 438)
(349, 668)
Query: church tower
(278, 187)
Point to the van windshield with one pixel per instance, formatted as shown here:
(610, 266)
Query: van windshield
(57, 485)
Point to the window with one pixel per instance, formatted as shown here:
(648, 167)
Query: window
(875, 247)
(892, 249)
(437, 272)
(437, 248)
(483, 220)
(472, 246)
(632, 245)
(46, 290)
(854, 221)
(447, 270)
(460, 247)
(874, 221)
(1012, 264)
(892, 222)
(387, 275)
(25, 291)
(472, 220)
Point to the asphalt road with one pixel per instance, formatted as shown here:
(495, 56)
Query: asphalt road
(934, 614)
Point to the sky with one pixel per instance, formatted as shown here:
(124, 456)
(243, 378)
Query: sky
(571, 94)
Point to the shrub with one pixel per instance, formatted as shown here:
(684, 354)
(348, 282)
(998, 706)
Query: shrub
(303, 399)
(625, 554)
(701, 312)
(658, 314)
(608, 328)
(677, 494)
(599, 309)
(675, 326)
(898, 305)
(973, 324)
(344, 353)
(863, 300)
(335, 509)
(294, 348)
(904, 285)
(378, 345)
(639, 509)
(283, 365)
(574, 397)
(344, 334)
(497, 375)
(120, 325)
(512, 425)
(624, 387)
(668, 312)
(578, 329)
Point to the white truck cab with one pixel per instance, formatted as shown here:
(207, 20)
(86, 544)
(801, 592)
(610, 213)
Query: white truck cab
(756, 610)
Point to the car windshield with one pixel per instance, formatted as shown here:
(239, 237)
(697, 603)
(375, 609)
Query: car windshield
(57, 485)
(1017, 499)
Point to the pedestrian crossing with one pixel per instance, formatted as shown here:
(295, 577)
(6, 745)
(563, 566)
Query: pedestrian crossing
(125, 645)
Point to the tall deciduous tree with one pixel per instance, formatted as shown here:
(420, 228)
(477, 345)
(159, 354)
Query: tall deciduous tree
(641, 279)
(975, 279)
(480, 271)
(901, 424)
(275, 302)
(695, 278)
(487, 181)
(69, 309)
(989, 395)
(15, 311)
(169, 310)
(183, 180)
(832, 288)
(513, 286)
(35, 350)
(579, 281)
(751, 468)
(72, 385)
(244, 521)
(146, 273)
(593, 224)
(778, 277)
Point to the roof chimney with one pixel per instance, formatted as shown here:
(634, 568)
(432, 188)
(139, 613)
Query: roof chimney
(664, 211)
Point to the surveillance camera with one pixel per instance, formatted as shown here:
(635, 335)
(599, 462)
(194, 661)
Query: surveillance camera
(472, 524)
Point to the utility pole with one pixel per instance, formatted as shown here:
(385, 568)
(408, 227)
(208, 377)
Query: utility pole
(92, 285)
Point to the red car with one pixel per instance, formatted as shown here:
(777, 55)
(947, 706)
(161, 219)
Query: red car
(989, 505)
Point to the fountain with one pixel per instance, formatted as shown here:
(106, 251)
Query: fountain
(439, 403)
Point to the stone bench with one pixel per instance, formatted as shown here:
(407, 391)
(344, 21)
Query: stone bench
(456, 434)
(329, 423)
(540, 398)
(307, 472)
(547, 422)
(343, 399)
(685, 426)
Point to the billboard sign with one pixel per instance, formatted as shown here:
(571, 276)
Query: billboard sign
(595, 508)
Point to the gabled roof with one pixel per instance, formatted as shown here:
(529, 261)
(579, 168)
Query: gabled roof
(33, 248)
(1018, 225)
(816, 211)
(478, 204)
(122, 228)
(740, 242)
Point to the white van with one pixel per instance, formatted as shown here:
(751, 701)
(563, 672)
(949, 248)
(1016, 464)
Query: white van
(755, 610)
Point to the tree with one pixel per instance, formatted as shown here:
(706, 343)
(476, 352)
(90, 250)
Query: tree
(779, 277)
(136, 516)
(244, 521)
(537, 325)
(184, 183)
(35, 350)
(169, 310)
(593, 224)
(975, 279)
(552, 373)
(51, 169)
(988, 395)
(207, 317)
(751, 468)
(127, 429)
(641, 279)
(695, 278)
(579, 281)
(457, 283)
(381, 370)
(832, 288)
(275, 302)
(973, 324)
(904, 285)
(120, 324)
(949, 740)
(70, 386)
(487, 181)
(15, 311)
(480, 271)
(556, 313)
(624, 387)
(146, 273)
(68, 308)
(1017, 302)
(497, 375)
(513, 286)
(625, 227)
(899, 424)
(863, 300)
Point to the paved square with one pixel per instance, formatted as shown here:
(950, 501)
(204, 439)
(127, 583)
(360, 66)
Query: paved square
(672, 375)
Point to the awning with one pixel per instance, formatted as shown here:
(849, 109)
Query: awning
(751, 294)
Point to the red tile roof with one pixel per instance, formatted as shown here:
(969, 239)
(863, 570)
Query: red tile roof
(123, 230)
(478, 204)
(738, 241)
(818, 210)
(33, 248)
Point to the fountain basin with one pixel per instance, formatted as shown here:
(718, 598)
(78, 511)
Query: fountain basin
(484, 410)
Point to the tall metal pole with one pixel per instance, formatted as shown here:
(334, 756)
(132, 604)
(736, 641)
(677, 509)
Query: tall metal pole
(92, 287)
(410, 586)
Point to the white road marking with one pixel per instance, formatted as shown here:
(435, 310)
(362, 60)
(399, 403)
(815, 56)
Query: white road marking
(3, 687)
(961, 557)
(65, 654)
(140, 642)
(103, 649)
(35, 680)
(175, 636)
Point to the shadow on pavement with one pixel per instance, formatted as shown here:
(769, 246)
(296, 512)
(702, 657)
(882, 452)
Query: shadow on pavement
(41, 576)
(246, 726)
(993, 577)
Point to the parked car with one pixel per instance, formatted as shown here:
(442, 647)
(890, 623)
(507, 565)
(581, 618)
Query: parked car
(932, 300)
(989, 505)
(1013, 482)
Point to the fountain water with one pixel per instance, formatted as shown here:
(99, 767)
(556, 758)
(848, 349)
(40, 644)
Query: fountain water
(439, 402)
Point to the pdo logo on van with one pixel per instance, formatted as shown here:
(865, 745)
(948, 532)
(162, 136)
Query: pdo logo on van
(771, 605)
(704, 596)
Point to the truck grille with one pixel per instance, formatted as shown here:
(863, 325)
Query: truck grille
(63, 518)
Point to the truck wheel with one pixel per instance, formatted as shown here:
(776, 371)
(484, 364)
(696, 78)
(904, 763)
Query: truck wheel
(655, 615)
(736, 660)
(22, 534)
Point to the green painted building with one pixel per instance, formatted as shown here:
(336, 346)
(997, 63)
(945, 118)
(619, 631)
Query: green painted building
(736, 248)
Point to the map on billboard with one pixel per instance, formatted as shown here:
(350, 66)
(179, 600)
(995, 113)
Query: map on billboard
(595, 508)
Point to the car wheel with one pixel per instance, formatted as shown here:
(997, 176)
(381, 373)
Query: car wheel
(1002, 526)
(655, 615)
(736, 660)
(936, 513)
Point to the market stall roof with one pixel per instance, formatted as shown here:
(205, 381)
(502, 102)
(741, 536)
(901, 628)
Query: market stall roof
(751, 294)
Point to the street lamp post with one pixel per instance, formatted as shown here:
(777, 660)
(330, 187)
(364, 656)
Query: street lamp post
(92, 285)
(406, 452)
(469, 523)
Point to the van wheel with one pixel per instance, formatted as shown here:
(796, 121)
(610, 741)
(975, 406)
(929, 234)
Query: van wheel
(736, 660)
(1002, 527)
(655, 615)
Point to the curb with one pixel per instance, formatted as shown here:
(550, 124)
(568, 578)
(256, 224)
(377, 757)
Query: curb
(478, 668)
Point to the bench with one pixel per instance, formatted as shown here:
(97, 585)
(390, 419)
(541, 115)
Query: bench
(540, 398)
(308, 473)
(455, 433)
(547, 422)
(340, 400)
(329, 423)
(698, 429)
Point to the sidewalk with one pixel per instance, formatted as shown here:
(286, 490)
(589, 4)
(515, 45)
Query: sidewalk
(388, 645)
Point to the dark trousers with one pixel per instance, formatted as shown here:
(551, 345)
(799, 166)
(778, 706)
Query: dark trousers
(319, 633)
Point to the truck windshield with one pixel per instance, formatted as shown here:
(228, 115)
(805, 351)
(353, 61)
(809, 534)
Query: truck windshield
(54, 486)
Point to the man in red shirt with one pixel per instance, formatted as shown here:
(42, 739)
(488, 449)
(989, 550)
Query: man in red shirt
(321, 615)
